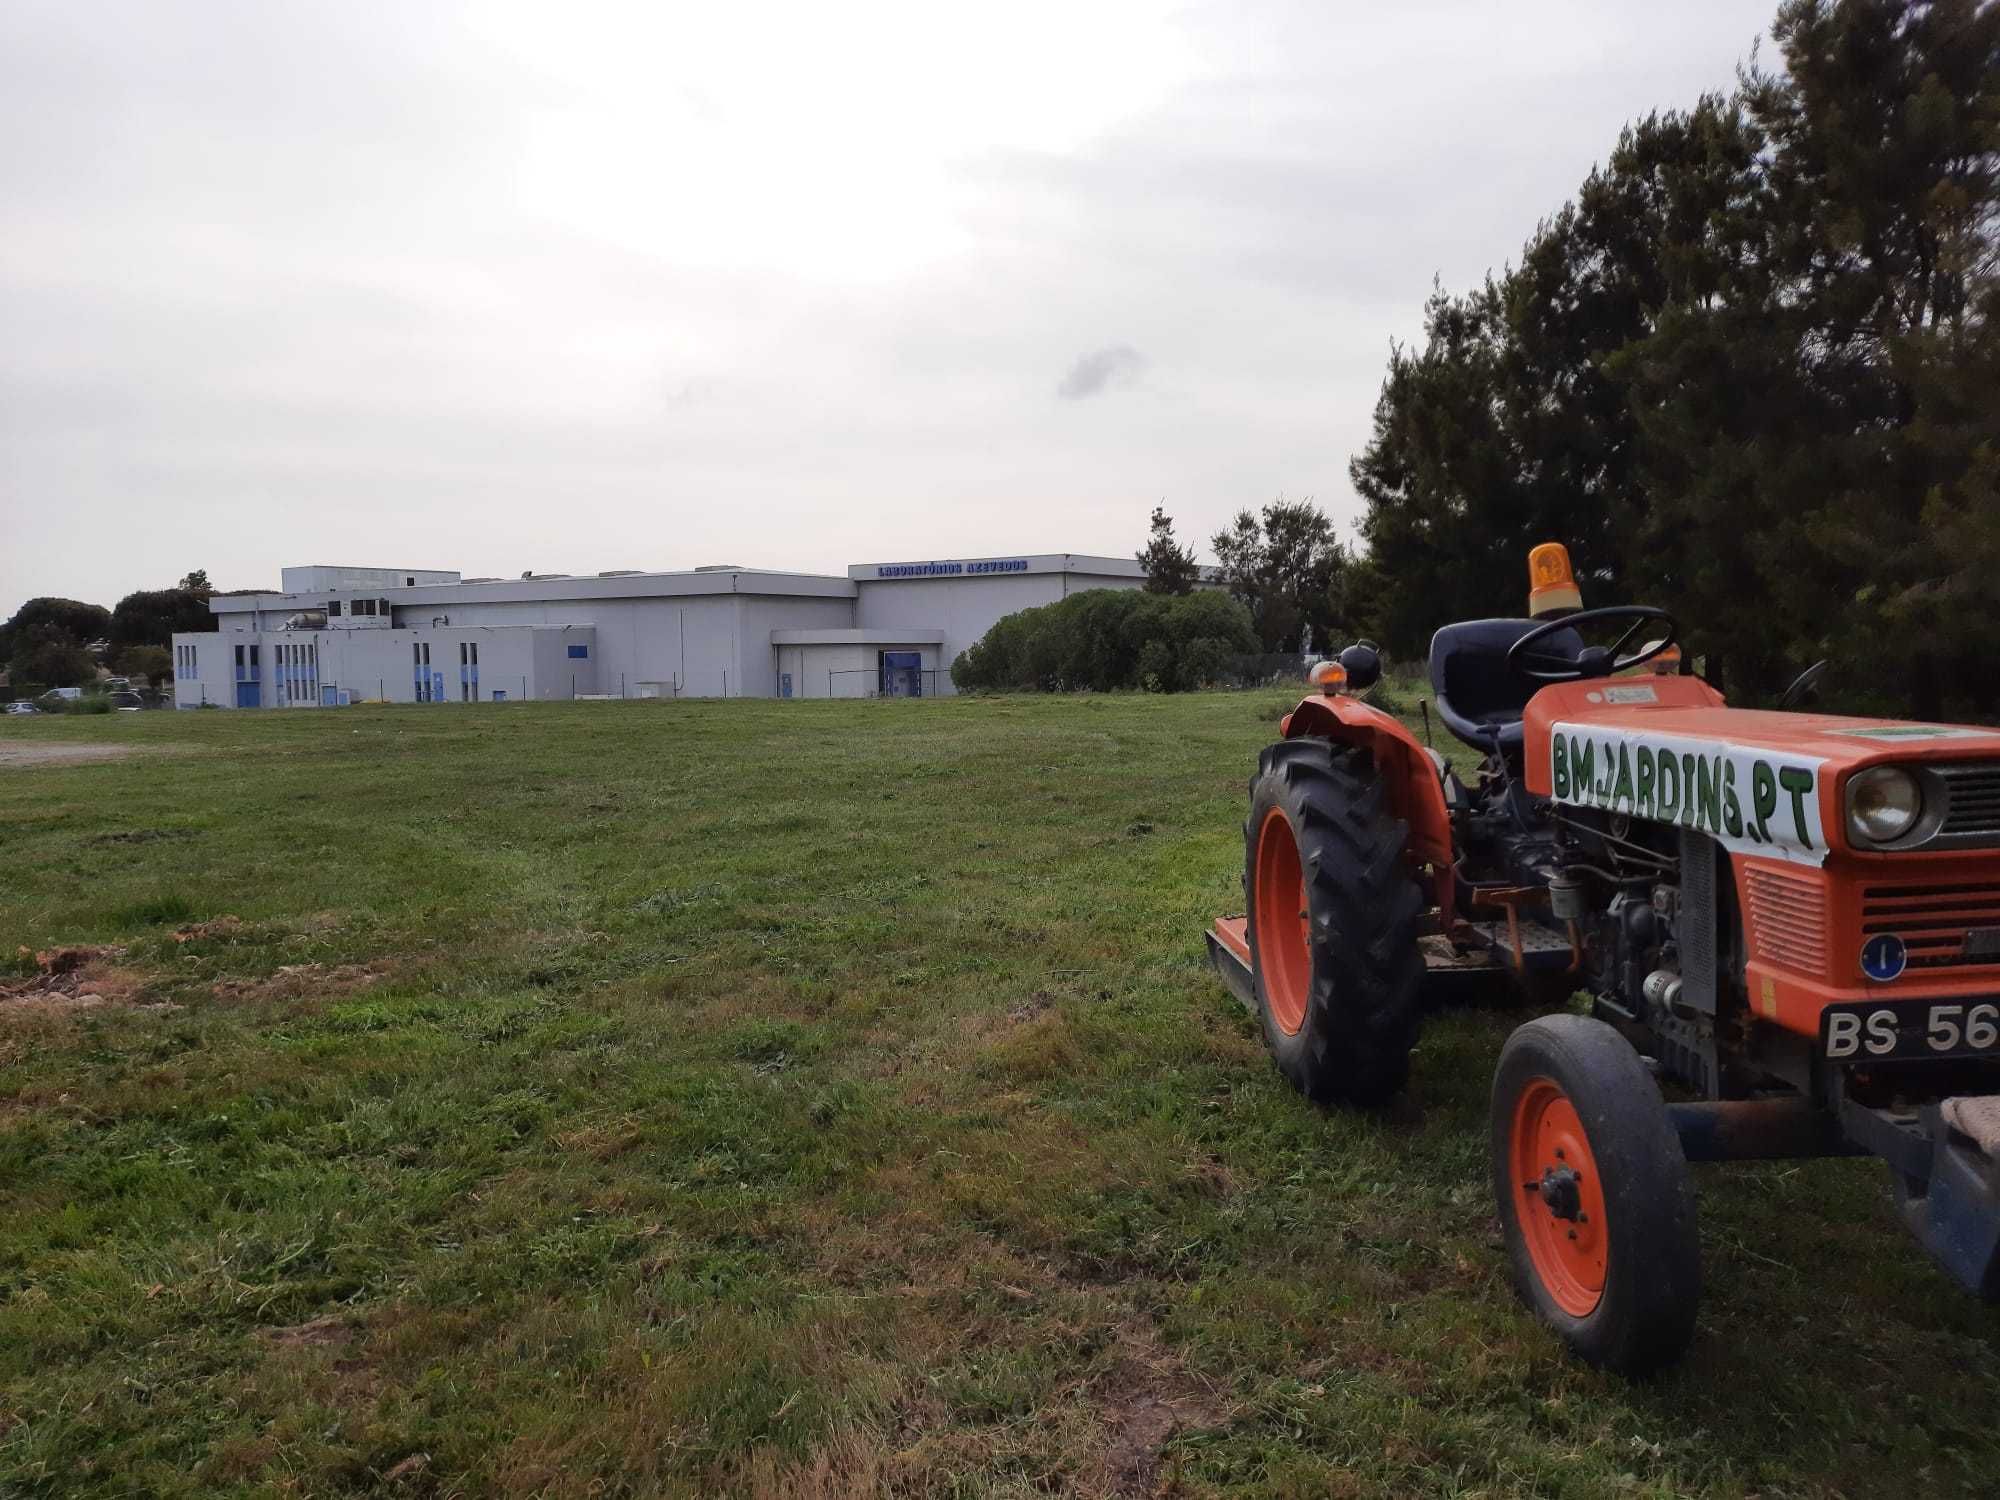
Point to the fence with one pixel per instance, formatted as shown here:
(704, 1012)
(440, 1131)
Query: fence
(492, 687)
(876, 682)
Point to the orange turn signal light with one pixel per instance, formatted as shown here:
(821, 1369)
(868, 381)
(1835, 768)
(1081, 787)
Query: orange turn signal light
(1328, 676)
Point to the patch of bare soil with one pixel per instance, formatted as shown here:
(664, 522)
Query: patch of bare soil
(1144, 1401)
(71, 979)
(330, 1332)
(215, 927)
(1031, 1007)
(24, 753)
(301, 981)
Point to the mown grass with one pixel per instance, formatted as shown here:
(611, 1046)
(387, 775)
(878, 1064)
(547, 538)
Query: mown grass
(805, 1098)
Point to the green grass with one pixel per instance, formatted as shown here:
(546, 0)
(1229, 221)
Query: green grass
(808, 1098)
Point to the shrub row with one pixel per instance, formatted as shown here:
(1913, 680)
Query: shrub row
(1103, 639)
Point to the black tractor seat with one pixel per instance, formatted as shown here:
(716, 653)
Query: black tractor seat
(1479, 700)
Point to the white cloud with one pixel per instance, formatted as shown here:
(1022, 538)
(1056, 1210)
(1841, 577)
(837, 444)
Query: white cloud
(510, 286)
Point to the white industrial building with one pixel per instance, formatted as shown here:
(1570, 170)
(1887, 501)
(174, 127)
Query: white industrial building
(339, 635)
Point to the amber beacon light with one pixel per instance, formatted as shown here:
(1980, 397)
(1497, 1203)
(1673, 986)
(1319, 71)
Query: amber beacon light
(1328, 676)
(1551, 585)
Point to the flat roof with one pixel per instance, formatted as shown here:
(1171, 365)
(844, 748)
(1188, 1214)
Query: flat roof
(871, 635)
(361, 568)
(629, 583)
(619, 585)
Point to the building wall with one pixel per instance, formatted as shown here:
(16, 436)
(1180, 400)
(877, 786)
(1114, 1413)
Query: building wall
(849, 671)
(337, 579)
(966, 608)
(382, 666)
(762, 614)
(697, 645)
(705, 633)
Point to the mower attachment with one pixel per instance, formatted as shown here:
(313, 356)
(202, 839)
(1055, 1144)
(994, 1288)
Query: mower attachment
(1448, 968)
(1229, 951)
(1955, 1213)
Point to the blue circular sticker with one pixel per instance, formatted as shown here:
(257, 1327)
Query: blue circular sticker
(1884, 956)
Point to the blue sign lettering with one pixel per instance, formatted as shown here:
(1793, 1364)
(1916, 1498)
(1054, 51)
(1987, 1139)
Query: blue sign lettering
(951, 569)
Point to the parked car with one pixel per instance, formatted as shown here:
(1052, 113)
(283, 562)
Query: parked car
(61, 695)
(126, 701)
(22, 706)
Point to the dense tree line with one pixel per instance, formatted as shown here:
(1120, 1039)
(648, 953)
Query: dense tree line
(47, 641)
(1104, 639)
(1749, 374)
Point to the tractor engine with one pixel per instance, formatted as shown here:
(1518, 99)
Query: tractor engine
(1647, 953)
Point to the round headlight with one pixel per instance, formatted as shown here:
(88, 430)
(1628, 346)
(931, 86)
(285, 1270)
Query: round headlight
(1883, 803)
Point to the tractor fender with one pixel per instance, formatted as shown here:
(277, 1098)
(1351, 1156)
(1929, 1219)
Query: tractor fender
(1411, 775)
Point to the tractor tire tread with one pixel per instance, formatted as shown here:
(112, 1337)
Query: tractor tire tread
(1367, 970)
(1646, 1317)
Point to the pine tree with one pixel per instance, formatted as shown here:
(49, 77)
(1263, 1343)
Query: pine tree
(1170, 567)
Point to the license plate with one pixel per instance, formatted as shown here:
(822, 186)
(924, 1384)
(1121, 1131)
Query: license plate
(1935, 1028)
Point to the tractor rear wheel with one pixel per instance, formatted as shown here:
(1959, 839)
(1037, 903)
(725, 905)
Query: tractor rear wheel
(1332, 923)
(1595, 1201)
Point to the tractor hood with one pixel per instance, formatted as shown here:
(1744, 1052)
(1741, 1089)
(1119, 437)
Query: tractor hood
(1758, 781)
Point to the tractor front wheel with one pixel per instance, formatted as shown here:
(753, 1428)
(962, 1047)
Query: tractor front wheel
(1332, 922)
(1595, 1201)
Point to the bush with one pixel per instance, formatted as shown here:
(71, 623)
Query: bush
(1103, 639)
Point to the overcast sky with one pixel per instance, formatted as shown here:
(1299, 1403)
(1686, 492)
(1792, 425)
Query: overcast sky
(570, 286)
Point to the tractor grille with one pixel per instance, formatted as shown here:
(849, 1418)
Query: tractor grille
(1972, 801)
(1932, 920)
(1788, 918)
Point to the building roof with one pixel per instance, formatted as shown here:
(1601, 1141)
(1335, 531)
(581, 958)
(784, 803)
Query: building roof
(874, 635)
(560, 586)
(626, 583)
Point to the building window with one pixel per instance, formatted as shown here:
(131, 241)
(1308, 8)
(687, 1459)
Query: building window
(579, 653)
(239, 661)
(475, 653)
(411, 582)
(333, 609)
(364, 606)
(253, 658)
(384, 605)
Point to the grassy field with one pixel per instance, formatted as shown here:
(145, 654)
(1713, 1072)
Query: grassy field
(814, 1098)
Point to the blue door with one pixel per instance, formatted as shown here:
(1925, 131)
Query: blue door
(902, 674)
(246, 694)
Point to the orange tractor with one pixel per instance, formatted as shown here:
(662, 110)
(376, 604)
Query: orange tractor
(1791, 919)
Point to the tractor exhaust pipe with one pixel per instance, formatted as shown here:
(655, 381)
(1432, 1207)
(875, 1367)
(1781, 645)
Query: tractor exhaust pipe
(1757, 1130)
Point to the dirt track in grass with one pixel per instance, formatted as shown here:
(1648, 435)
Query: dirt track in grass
(19, 753)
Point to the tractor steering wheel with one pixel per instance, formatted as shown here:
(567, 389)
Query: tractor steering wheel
(1592, 661)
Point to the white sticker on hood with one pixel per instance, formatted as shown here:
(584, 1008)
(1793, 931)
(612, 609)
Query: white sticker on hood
(1753, 801)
